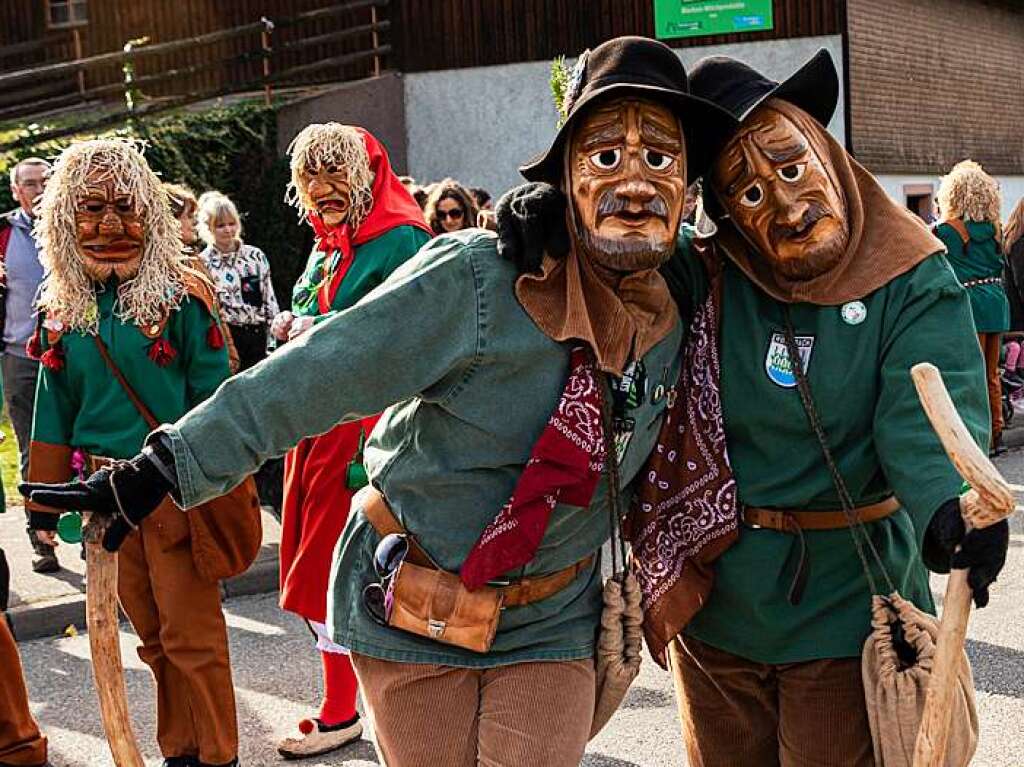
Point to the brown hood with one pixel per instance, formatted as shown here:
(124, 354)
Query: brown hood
(886, 239)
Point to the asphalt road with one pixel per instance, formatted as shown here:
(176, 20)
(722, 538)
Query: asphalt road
(276, 676)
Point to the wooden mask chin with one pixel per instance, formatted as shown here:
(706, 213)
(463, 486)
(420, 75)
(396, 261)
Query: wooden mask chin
(783, 196)
(108, 229)
(627, 182)
(325, 190)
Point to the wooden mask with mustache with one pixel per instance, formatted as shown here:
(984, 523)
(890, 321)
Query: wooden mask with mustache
(325, 189)
(109, 229)
(782, 196)
(627, 182)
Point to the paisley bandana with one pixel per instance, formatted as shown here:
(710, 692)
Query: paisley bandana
(685, 512)
(564, 467)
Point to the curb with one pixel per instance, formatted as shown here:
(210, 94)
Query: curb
(50, 618)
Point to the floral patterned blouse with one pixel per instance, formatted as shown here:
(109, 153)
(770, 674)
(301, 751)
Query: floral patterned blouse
(242, 280)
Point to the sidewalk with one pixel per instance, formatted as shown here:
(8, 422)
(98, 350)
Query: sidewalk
(45, 605)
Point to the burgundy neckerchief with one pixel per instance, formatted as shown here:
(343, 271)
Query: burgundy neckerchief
(685, 512)
(564, 467)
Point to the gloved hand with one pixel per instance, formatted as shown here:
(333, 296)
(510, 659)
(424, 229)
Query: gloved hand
(530, 221)
(982, 551)
(141, 486)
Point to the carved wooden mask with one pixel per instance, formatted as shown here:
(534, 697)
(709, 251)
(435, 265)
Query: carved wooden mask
(109, 229)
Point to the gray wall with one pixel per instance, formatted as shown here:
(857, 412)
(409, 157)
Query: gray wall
(478, 125)
(376, 104)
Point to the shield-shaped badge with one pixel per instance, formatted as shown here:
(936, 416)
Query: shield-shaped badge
(777, 364)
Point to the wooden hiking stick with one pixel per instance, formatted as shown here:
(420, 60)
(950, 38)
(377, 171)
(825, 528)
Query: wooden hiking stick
(988, 501)
(105, 646)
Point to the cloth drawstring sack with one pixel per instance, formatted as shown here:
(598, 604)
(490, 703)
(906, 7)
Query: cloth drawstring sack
(896, 662)
(896, 667)
(620, 639)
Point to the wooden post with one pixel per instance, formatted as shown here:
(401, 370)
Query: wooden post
(376, 41)
(76, 38)
(265, 42)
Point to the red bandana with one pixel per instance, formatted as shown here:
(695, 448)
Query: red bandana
(564, 467)
(392, 207)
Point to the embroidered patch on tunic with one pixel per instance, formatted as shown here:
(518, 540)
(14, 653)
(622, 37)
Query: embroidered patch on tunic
(777, 363)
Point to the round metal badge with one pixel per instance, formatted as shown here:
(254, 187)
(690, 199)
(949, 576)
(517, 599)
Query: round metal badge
(854, 312)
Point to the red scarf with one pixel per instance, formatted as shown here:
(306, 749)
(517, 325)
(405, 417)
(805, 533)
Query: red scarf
(564, 467)
(392, 207)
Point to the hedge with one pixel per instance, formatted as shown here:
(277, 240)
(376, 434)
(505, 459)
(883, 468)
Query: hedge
(232, 149)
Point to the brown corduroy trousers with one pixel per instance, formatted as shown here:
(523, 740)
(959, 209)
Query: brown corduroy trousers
(991, 348)
(20, 740)
(510, 716)
(737, 712)
(178, 617)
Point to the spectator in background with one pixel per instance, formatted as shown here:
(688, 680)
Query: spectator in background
(969, 204)
(241, 275)
(185, 206)
(450, 207)
(482, 198)
(19, 282)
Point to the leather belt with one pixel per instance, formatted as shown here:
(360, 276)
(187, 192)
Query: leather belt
(793, 520)
(517, 593)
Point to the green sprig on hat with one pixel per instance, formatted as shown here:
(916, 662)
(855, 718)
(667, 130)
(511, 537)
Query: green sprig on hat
(560, 76)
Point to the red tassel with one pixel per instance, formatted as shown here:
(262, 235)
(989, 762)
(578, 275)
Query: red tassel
(53, 358)
(161, 352)
(34, 347)
(214, 338)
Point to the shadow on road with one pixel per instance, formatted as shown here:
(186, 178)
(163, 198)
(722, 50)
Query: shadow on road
(996, 668)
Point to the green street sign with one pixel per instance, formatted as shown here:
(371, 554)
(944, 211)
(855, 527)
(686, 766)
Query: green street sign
(698, 18)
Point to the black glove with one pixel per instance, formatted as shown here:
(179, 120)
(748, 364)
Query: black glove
(141, 487)
(983, 551)
(531, 221)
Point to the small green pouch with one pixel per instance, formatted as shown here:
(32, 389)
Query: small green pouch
(355, 474)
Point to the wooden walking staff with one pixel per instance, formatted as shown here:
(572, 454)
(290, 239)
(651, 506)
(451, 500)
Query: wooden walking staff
(105, 645)
(988, 501)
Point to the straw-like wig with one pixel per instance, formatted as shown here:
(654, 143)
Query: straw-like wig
(68, 293)
(968, 192)
(332, 143)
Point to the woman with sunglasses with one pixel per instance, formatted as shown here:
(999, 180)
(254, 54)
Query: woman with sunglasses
(450, 207)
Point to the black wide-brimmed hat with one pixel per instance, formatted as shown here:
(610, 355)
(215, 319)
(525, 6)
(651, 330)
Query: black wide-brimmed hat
(644, 68)
(740, 89)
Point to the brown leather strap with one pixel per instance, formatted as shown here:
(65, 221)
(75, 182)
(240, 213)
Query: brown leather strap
(517, 593)
(792, 520)
(145, 412)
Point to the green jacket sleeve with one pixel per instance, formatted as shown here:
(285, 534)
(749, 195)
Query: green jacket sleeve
(205, 367)
(931, 322)
(304, 292)
(685, 276)
(49, 458)
(364, 359)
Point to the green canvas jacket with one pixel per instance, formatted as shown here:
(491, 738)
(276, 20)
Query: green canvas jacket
(979, 258)
(469, 383)
(860, 355)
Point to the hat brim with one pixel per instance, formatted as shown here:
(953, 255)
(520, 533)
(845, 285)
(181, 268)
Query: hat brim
(706, 128)
(814, 88)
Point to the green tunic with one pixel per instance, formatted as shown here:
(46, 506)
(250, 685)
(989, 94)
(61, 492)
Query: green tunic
(860, 379)
(82, 406)
(474, 381)
(981, 258)
(371, 264)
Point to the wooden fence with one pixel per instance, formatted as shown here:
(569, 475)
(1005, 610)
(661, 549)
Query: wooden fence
(267, 53)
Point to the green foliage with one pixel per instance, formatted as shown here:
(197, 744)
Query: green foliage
(559, 81)
(231, 149)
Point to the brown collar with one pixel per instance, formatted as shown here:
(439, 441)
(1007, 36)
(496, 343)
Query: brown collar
(570, 299)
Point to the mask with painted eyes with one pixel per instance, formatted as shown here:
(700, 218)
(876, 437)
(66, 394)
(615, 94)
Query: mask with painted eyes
(782, 196)
(325, 190)
(109, 229)
(627, 182)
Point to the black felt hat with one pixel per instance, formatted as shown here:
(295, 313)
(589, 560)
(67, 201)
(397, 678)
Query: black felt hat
(645, 68)
(740, 89)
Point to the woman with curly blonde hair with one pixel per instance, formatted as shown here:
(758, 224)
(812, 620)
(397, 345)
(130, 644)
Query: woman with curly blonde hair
(969, 203)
